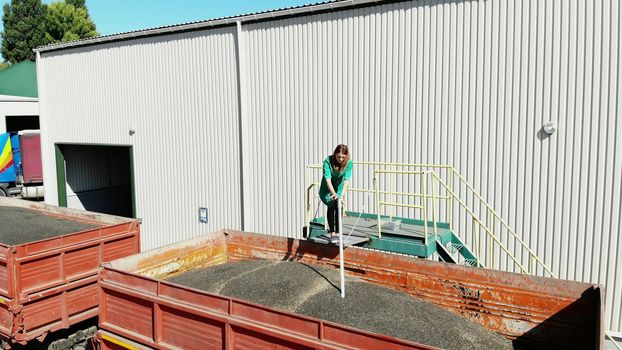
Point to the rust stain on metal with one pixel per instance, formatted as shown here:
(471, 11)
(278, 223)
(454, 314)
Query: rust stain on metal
(179, 261)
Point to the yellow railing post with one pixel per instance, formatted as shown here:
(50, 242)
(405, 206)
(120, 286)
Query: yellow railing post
(476, 238)
(308, 214)
(425, 226)
(489, 243)
(434, 213)
(613, 341)
(377, 197)
(392, 190)
(424, 187)
(451, 202)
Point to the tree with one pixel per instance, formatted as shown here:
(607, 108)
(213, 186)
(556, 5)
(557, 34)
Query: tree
(77, 3)
(66, 22)
(4, 65)
(24, 29)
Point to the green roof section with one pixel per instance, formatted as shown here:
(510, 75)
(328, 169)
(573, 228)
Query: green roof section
(19, 80)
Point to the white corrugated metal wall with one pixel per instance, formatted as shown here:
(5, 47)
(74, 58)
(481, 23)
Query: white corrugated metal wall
(179, 93)
(467, 83)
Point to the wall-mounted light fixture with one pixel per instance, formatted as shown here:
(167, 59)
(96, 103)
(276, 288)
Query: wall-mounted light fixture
(549, 127)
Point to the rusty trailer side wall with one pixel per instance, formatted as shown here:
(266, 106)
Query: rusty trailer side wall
(162, 315)
(138, 305)
(51, 284)
(529, 309)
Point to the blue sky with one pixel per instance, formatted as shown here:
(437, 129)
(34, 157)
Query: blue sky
(116, 16)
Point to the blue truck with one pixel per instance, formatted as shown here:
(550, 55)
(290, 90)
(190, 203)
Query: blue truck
(20, 164)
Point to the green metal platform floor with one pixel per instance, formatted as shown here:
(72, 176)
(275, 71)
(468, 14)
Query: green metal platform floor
(362, 229)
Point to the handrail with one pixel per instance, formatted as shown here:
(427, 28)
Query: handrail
(393, 204)
(415, 165)
(399, 172)
(413, 206)
(475, 219)
(612, 338)
(406, 194)
(510, 231)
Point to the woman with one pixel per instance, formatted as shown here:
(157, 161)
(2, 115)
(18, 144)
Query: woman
(337, 172)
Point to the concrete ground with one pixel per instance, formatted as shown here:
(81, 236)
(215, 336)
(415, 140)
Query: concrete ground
(21, 225)
(314, 291)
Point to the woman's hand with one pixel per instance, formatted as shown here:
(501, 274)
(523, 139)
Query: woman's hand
(334, 197)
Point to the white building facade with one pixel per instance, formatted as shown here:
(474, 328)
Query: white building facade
(225, 114)
(16, 107)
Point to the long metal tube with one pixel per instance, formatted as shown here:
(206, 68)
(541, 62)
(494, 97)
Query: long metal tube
(341, 270)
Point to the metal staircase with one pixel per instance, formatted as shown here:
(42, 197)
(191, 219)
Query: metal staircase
(456, 252)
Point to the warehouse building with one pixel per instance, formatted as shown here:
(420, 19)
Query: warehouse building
(210, 125)
(19, 105)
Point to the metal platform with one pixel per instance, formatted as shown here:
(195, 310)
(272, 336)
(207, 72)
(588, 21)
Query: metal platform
(361, 229)
(347, 242)
(367, 227)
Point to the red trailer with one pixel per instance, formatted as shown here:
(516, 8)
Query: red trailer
(30, 142)
(50, 282)
(20, 164)
(140, 309)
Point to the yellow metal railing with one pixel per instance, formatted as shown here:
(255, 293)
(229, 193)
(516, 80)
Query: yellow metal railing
(451, 197)
(423, 208)
(613, 340)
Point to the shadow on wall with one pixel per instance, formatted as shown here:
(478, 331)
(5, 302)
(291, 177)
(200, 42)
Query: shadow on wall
(114, 201)
(560, 331)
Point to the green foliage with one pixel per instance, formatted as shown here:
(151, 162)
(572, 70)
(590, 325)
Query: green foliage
(24, 29)
(79, 4)
(4, 65)
(65, 22)
(29, 24)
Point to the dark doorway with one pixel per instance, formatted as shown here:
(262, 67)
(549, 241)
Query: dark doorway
(15, 123)
(96, 178)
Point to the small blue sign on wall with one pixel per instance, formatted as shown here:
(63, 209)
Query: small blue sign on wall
(203, 215)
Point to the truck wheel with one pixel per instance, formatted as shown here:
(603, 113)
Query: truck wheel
(3, 192)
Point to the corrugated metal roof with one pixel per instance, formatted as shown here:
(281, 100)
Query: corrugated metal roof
(10, 98)
(324, 6)
(19, 80)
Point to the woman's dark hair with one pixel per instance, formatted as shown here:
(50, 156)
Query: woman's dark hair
(333, 159)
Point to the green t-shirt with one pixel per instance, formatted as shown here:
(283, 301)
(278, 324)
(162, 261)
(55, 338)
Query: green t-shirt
(337, 179)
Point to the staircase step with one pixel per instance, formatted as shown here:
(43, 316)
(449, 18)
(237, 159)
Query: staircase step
(443, 254)
(454, 247)
(470, 262)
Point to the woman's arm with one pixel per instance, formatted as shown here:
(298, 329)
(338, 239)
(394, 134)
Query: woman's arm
(327, 171)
